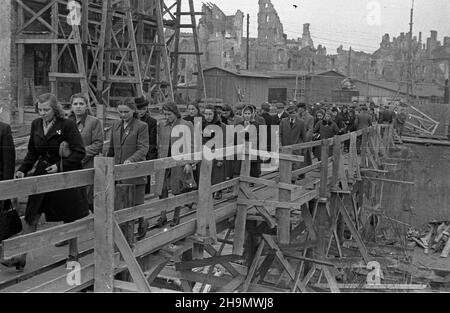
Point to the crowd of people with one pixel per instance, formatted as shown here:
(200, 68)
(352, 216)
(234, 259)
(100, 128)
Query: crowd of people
(68, 139)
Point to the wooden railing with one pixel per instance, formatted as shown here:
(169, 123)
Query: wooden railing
(104, 227)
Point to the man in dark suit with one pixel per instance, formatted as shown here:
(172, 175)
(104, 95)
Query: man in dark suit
(281, 113)
(292, 131)
(363, 119)
(7, 153)
(144, 116)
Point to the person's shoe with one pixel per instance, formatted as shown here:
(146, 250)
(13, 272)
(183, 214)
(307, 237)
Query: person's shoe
(142, 229)
(176, 217)
(18, 263)
(217, 196)
(62, 243)
(162, 220)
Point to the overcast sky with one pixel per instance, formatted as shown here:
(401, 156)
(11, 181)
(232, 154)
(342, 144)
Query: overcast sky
(350, 22)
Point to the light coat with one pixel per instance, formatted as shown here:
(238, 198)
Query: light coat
(133, 146)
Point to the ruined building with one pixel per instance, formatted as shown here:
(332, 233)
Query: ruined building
(220, 37)
(273, 51)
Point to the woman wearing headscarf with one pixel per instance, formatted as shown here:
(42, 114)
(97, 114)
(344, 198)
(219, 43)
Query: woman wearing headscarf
(173, 178)
(129, 144)
(49, 133)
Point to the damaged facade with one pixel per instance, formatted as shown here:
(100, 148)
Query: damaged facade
(273, 51)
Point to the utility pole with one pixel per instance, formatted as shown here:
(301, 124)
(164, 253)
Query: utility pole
(409, 87)
(349, 62)
(248, 40)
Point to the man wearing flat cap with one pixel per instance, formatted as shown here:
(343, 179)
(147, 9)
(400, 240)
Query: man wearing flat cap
(144, 116)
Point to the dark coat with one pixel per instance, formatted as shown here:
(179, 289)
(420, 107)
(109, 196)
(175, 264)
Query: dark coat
(7, 153)
(326, 130)
(63, 205)
(269, 120)
(277, 120)
(292, 135)
(219, 170)
(363, 120)
(133, 146)
(255, 165)
(152, 136)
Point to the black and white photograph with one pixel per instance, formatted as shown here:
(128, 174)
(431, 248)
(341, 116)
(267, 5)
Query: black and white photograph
(225, 154)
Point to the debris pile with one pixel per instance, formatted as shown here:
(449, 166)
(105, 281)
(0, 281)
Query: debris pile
(436, 238)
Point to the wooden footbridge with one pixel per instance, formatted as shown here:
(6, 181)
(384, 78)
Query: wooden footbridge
(280, 232)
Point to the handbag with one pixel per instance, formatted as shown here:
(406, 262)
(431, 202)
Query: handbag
(10, 223)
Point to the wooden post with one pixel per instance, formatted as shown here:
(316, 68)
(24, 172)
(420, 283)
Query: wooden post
(336, 162)
(364, 142)
(104, 198)
(321, 213)
(54, 49)
(204, 197)
(20, 60)
(283, 214)
(124, 198)
(323, 191)
(241, 214)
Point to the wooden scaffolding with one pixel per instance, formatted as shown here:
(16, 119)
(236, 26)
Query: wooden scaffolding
(110, 49)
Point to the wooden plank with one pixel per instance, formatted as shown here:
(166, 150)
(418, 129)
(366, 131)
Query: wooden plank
(188, 265)
(126, 286)
(46, 183)
(336, 162)
(271, 243)
(215, 281)
(261, 210)
(353, 230)
(154, 208)
(389, 180)
(241, 215)
(364, 147)
(205, 199)
(252, 269)
(230, 268)
(375, 287)
(283, 212)
(323, 191)
(43, 238)
(179, 232)
(104, 197)
(149, 167)
(130, 260)
(232, 285)
(269, 203)
(268, 183)
(334, 287)
(307, 169)
(154, 265)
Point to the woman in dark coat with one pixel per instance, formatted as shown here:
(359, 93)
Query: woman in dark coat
(248, 118)
(46, 139)
(212, 119)
(193, 111)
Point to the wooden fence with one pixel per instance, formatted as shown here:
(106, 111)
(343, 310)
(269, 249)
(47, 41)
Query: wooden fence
(111, 226)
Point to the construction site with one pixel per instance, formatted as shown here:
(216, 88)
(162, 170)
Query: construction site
(371, 213)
